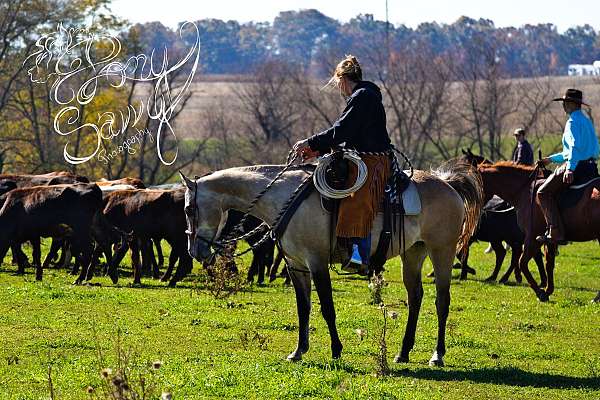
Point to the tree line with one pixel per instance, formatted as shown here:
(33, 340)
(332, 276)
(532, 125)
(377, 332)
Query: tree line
(306, 37)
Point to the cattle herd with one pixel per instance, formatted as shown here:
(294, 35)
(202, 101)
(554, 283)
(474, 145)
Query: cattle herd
(90, 220)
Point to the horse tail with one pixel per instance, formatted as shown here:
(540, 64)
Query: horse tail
(466, 181)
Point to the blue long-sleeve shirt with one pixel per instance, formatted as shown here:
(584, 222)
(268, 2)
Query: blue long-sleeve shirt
(579, 141)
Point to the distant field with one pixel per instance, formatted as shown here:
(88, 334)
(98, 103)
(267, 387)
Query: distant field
(220, 91)
(502, 343)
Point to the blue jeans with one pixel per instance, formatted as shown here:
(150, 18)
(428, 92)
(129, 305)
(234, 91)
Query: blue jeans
(364, 247)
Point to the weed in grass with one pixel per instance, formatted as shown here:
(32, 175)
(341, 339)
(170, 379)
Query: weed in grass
(129, 380)
(224, 279)
(383, 368)
(376, 287)
(260, 339)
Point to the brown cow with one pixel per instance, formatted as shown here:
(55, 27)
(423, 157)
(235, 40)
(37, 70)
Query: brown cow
(12, 181)
(135, 182)
(150, 215)
(51, 178)
(29, 213)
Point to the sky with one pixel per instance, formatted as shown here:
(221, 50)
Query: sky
(562, 13)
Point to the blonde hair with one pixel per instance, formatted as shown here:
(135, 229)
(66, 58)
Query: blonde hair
(348, 67)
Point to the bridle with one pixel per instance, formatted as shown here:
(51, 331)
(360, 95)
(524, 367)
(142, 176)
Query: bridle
(191, 231)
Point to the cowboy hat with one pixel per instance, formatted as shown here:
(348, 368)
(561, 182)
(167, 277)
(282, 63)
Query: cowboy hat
(519, 131)
(573, 95)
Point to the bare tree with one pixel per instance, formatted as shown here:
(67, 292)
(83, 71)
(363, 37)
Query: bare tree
(271, 108)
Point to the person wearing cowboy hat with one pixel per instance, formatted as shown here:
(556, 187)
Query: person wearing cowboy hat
(578, 159)
(523, 153)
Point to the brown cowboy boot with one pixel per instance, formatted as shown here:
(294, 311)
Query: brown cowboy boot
(555, 232)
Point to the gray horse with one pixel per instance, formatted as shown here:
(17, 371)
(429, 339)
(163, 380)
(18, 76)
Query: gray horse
(451, 201)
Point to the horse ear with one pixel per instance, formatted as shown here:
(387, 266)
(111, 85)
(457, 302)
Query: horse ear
(469, 152)
(190, 184)
(464, 152)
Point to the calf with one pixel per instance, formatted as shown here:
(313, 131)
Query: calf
(29, 213)
(150, 215)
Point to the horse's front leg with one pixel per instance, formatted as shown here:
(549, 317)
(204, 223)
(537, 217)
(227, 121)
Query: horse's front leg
(529, 249)
(301, 280)
(412, 261)
(322, 282)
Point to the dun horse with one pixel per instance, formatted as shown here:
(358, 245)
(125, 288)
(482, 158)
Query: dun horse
(451, 202)
(514, 183)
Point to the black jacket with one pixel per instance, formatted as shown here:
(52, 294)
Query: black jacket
(362, 124)
(523, 153)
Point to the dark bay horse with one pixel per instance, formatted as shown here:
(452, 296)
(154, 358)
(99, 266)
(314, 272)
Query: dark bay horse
(499, 224)
(517, 184)
(451, 202)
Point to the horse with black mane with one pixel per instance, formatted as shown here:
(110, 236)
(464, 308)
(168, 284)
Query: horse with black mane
(517, 184)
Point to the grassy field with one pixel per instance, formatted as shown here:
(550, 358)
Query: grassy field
(502, 343)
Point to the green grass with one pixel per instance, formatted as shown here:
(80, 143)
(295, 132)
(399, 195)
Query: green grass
(502, 343)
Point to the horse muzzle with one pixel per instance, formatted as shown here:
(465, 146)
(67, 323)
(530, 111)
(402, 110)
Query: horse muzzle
(200, 251)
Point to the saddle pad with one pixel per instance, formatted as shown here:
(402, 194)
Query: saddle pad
(575, 187)
(411, 200)
(569, 198)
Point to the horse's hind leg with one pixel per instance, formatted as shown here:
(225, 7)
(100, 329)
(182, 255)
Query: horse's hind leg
(517, 250)
(412, 261)
(539, 261)
(465, 269)
(441, 258)
(300, 276)
(322, 282)
(550, 261)
(500, 254)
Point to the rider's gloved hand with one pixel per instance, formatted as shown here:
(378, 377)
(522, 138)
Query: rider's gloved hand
(542, 162)
(568, 177)
(303, 149)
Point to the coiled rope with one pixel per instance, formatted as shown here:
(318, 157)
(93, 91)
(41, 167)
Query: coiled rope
(320, 181)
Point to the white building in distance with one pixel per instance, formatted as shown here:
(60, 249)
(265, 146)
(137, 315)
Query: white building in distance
(584, 69)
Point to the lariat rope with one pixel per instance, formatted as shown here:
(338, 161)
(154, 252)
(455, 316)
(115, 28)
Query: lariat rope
(320, 181)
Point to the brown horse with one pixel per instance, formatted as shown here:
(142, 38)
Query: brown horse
(516, 184)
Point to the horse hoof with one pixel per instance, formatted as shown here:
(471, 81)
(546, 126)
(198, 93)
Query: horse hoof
(400, 359)
(172, 283)
(295, 356)
(77, 282)
(336, 351)
(490, 279)
(436, 360)
(543, 296)
(165, 278)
